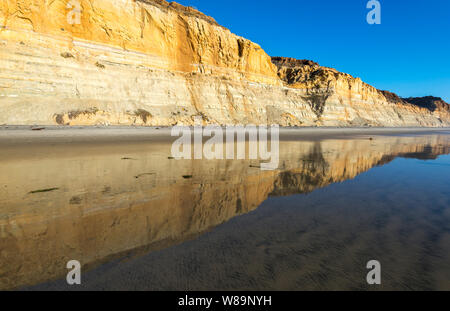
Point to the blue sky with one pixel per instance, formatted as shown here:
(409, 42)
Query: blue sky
(409, 53)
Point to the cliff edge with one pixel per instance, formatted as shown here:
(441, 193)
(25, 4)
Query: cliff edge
(151, 62)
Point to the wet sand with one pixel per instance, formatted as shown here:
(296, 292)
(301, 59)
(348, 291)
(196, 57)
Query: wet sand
(98, 195)
(117, 134)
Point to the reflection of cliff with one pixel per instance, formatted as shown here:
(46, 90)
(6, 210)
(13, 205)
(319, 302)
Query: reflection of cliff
(97, 202)
(319, 169)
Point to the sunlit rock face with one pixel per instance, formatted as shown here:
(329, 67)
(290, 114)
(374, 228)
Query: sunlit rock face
(154, 63)
(96, 202)
(338, 99)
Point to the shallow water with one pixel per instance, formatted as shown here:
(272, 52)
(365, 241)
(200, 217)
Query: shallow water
(134, 219)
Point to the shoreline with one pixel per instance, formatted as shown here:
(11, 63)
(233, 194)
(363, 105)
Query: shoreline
(85, 134)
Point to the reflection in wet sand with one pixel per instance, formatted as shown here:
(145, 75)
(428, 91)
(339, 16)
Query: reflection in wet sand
(94, 203)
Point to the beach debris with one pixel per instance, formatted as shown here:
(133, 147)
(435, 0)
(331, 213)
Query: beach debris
(75, 200)
(43, 190)
(106, 190)
(187, 176)
(144, 174)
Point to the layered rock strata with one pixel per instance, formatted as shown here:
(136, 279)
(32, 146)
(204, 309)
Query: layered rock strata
(136, 62)
(340, 99)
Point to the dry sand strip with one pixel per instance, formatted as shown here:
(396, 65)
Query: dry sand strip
(12, 135)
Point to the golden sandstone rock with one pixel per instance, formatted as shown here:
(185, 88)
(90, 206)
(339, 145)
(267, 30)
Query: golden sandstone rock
(150, 62)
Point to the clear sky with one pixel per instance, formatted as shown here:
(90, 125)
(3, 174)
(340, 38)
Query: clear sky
(409, 53)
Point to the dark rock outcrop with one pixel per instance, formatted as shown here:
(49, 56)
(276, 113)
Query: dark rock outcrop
(429, 102)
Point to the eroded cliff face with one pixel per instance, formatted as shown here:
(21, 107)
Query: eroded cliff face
(182, 38)
(340, 99)
(150, 62)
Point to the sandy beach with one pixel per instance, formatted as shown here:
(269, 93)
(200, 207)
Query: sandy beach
(12, 135)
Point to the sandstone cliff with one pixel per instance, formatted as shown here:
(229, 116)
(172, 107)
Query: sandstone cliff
(434, 104)
(150, 62)
(340, 99)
